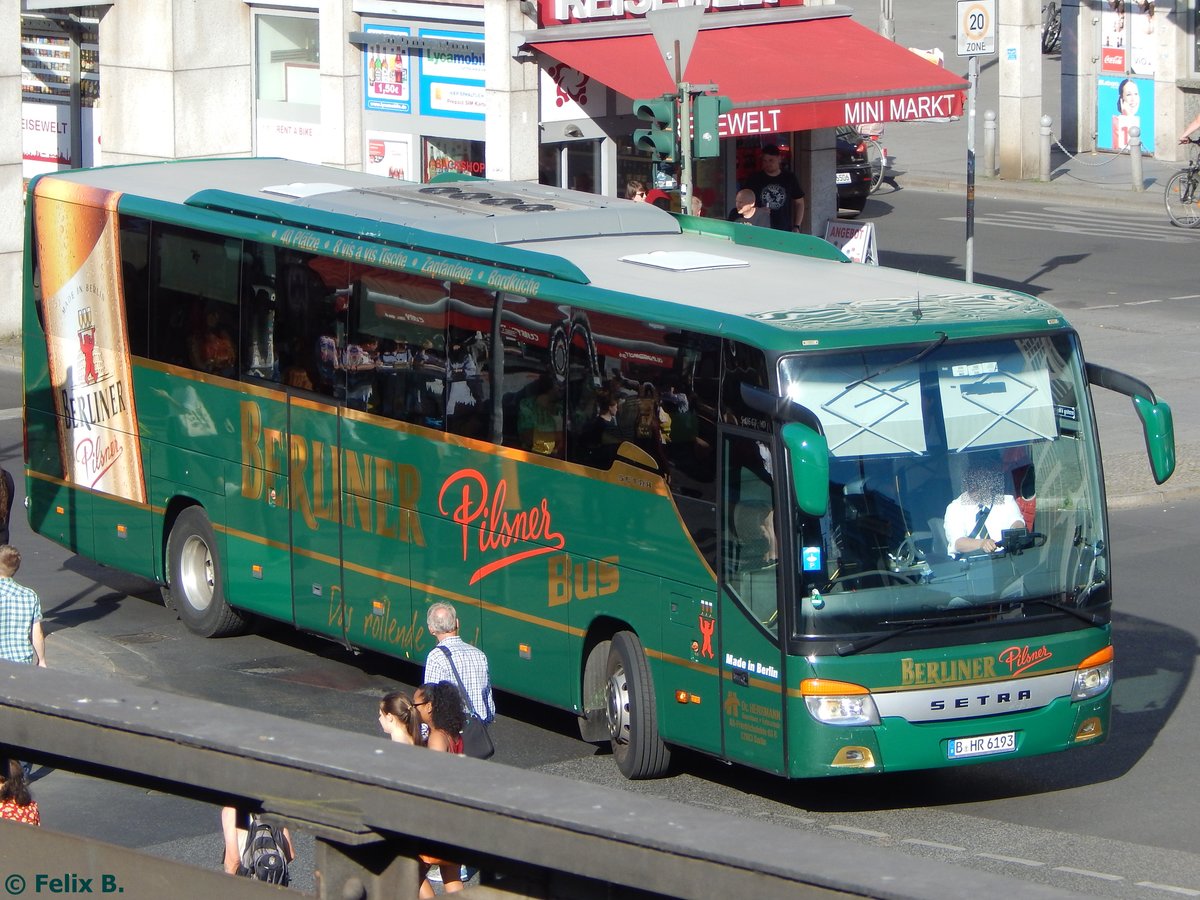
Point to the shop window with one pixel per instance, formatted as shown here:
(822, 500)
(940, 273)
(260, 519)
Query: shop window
(452, 155)
(288, 60)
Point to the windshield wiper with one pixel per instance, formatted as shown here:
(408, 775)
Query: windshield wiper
(849, 648)
(1082, 614)
(937, 342)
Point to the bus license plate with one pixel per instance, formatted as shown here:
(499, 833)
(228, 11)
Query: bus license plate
(843, 178)
(983, 745)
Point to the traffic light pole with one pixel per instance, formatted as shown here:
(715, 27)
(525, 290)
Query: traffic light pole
(684, 134)
(686, 137)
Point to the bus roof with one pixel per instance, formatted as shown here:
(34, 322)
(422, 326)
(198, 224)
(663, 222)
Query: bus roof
(616, 245)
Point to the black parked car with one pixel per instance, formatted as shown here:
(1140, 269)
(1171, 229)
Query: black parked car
(853, 170)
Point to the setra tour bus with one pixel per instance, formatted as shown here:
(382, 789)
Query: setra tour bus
(708, 486)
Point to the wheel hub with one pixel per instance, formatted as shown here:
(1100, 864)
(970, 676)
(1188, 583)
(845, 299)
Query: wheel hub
(196, 574)
(617, 694)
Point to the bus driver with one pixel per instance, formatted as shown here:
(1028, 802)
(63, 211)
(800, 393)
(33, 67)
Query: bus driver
(976, 518)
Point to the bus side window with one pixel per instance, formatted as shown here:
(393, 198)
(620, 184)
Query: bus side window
(751, 542)
(743, 365)
(532, 390)
(135, 271)
(194, 280)
(260, 357)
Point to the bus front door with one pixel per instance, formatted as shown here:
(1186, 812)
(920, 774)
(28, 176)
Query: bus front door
(751, 664)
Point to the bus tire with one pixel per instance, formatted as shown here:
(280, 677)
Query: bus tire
(632, 712)
(195, 584)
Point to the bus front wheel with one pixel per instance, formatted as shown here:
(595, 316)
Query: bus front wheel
(631, 711)
(195, 577)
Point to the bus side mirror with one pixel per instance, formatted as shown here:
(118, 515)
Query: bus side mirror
(809, 454)
(1159, 428)
(1157, 424)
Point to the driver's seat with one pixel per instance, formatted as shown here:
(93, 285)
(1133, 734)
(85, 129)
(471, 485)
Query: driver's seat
(938, 529)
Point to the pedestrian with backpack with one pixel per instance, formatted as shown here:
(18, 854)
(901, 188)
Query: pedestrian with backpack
(254, 849)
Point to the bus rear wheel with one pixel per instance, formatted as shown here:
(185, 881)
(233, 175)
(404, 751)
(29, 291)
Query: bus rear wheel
(631, 711)
(194, 570)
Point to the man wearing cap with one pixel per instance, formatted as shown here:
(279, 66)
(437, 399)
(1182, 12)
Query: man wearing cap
(778, 191)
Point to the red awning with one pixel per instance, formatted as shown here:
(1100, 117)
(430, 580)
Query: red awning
(781, 76)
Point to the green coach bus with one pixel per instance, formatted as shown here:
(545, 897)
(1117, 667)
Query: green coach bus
(701, 484)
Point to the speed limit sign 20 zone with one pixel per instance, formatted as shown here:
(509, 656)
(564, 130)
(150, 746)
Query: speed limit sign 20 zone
(976, 27)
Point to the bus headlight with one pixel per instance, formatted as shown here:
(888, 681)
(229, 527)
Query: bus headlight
(1094, 675)
(839, 702)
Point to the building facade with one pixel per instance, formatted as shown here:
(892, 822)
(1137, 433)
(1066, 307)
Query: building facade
(519, 89)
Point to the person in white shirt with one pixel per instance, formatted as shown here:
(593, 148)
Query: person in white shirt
(977, 517)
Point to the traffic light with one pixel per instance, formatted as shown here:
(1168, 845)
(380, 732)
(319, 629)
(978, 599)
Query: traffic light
(706, 108)
(659, 138)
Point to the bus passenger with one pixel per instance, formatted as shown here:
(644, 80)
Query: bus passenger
(602, 435)
(213, 350)
(360, 364)
(540, 418)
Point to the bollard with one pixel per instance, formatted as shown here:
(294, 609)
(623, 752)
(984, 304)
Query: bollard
(1045, 161)
(1135, 158)
(989, 143)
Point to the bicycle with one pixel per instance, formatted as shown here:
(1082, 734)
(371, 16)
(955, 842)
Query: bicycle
(1051, 27)
(877, 159)
(1182, 195)
(871, 137)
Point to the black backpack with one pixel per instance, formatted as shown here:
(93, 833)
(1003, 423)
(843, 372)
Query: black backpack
(263, 859)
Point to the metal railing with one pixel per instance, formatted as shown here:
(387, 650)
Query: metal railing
(372, 805)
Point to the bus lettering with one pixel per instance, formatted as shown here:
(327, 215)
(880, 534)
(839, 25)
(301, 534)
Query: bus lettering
(947, 671)
(497, 529)
(94, 407)
(383, 492)
(1018, 659)
(581, 581)
(94, 461)
(385, 627)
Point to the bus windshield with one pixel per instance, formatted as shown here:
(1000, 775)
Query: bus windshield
(963, 480)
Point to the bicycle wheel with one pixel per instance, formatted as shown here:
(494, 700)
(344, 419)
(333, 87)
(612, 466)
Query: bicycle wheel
(875, 161)
(1182, 199)
(1051, 27)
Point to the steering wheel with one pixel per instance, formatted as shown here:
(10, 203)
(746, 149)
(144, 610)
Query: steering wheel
(884, 573)
(1023, 542)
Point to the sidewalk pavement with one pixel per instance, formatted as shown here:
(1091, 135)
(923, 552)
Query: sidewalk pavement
(933, 156)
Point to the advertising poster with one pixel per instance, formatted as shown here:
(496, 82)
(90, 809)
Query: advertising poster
(389, 154)
(387, 81)
(46, 138)
(75, 228)
(1122, 103)
(1113, 52)
(1143, 40)
(452, 80)
(568, 94)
